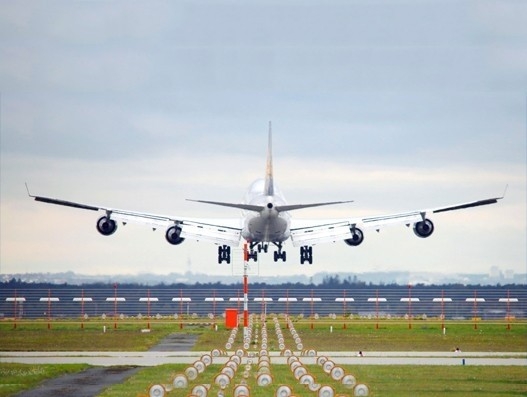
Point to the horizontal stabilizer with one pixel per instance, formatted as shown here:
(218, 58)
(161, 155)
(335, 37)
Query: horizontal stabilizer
(247, 207)
(292, 207)
(259, 208)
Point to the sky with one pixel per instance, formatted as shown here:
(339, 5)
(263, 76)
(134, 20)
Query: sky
(397, 105)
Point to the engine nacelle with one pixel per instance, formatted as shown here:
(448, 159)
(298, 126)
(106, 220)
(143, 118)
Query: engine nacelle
(356, 237)
(106, 226)
(424, 228)
(173, 235)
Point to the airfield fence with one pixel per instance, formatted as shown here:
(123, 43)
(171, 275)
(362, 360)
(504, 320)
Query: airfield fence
(70, 302)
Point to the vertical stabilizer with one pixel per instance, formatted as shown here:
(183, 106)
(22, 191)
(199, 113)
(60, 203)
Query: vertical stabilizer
(269, 184)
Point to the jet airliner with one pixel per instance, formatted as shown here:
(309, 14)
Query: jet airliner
(266, 221)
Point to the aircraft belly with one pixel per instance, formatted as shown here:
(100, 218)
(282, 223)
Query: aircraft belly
(269, 230)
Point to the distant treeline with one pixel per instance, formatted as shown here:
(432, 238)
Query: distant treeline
(328, 282)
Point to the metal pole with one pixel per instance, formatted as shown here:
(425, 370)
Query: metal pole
(15, 302)
(312, 310)
(82, 309)
(115, 306)
(508, 309)
(409, 306)
(377, 309)
(49, 308)
(344, 309)
(475, 309)
(148, 309)
(181, 309)
(442, 310)
(245, 292)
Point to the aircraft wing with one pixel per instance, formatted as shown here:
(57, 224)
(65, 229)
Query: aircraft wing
(304, 232)
(219, 231)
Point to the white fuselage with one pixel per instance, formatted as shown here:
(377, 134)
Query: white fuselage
(269, 225)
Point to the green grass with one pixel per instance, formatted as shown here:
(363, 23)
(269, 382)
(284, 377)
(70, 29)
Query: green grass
(422, 337)
(17, 377)
(67, 336)
(392, 380)
(389, 336)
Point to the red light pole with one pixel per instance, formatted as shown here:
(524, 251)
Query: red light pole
(115, 306)
(82, 309)
(49, 308)
(409, 306)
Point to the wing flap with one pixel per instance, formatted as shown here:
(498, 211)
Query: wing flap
(392, 219)
(211, 233)
(325, 233)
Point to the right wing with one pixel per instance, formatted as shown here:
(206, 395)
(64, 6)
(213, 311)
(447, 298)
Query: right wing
(218, 231)
(304, 232)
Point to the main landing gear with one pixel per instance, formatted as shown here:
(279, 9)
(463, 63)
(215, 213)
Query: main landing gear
(279, 254)
(224, 254)
(306, 254)
(264, 247)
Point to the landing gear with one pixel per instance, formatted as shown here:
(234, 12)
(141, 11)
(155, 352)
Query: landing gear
(306, 254)
(253, 254)
(224, 254)
(263, 247)
(279, 254)
(256, 248)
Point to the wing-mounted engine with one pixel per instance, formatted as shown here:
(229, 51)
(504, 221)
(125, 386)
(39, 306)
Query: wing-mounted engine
(106, 226)
(173, 235)
(424, 228)
(357, 237)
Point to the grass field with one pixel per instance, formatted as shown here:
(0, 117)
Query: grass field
(390, 380)
(389, 336)
(366, 336)
(17, 377)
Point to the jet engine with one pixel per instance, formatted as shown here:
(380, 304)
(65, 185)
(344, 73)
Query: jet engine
(424, 228)
(356, 237)
(173, 235)
(106, 226)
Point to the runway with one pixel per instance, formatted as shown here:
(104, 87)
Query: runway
(152, 358)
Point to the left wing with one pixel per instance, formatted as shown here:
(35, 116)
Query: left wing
(219, 231)
(305, 232)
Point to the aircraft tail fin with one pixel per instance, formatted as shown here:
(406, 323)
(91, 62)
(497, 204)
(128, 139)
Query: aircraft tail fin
(269, 181)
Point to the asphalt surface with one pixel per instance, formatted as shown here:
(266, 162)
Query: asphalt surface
(176, 343)
(82, 384)
(93, 381)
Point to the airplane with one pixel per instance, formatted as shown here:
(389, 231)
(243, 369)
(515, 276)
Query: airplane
(265, 220)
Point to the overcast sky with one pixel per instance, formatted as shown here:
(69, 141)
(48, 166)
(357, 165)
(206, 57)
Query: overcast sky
(398, 105)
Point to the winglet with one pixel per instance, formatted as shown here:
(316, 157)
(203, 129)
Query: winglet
(505, 191)
(28, 193)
